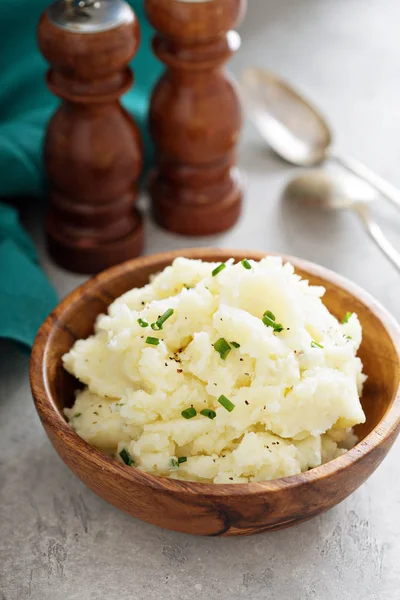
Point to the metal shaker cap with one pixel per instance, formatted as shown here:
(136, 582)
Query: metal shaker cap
(89, 16)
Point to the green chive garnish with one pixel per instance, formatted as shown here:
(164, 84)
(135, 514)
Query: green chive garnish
(176, 463)
(207, 412)
(142, 323)
(346, 317)
(235, 344)
(159, 323)
(153, 341)
(270, 315)
(76, 415)
(269, 320)
(126, 457)
(226, 403)
(316, 345)
(189, 413)
(246, 263)
(222, 347)
(218, 269)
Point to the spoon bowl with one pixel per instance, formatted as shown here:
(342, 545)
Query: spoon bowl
(293, 128)
(319, 189)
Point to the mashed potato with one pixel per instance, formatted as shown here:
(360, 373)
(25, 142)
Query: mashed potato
(220, 374)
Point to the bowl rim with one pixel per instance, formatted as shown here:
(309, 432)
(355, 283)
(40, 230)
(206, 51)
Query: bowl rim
(388, 426)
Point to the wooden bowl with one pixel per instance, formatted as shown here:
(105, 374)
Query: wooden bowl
(218, 509)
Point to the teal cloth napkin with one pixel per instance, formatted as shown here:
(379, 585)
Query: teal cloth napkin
(26, 297)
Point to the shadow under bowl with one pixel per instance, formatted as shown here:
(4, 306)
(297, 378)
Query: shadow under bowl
(218, 509)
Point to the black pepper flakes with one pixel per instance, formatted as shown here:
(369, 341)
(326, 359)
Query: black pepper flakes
(95, 413)
(246, 402)
(231, 478)
(241, 359)
(179, 370)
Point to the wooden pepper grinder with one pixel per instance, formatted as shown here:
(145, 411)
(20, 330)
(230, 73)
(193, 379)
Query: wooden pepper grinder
(195, 116)
(93, 152)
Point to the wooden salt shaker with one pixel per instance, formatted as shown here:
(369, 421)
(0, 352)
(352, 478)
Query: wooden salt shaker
(93, 151)
(195, 116)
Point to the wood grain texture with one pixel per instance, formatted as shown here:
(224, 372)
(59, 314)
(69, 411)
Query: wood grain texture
(93, 151)
(211, 509)
(195, 116)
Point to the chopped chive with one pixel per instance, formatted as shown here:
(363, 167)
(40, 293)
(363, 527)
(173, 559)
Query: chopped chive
(76, 415)
(142, 323)
(269, 320)
(153, 341)
(270, 314)
(189, 413)
(160, 322)
(173, 462)
(222, 347)
(207, 412)
(218, 269)
(126, 457)
(226, 403)
(182, 459)
(235, 344)
(316, 345)
(348, 337)
(346, 317)
(246, 263)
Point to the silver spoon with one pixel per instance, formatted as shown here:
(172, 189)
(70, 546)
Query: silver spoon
(295, 130)
(318, 188)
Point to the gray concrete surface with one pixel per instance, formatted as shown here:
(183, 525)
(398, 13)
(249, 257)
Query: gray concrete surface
(58, 540)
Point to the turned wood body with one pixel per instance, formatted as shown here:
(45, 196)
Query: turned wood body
(92, 152)
(195, 116)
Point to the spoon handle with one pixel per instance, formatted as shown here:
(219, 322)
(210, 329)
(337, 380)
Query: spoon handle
(376, 233)
(378, 183)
